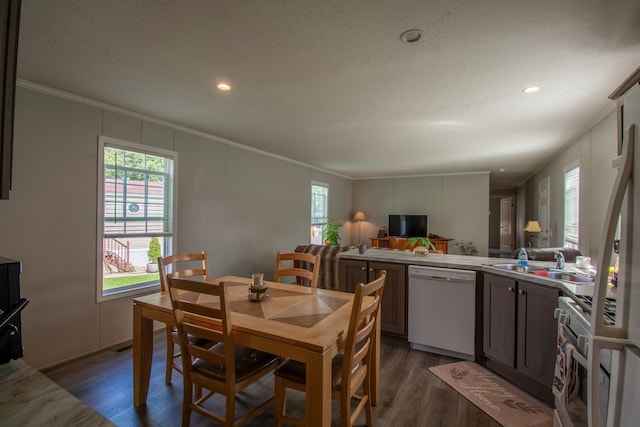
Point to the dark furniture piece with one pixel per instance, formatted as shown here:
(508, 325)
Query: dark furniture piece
(10, 307)
(520, 333)
(10, 17)
(393, 308)
(548, 254)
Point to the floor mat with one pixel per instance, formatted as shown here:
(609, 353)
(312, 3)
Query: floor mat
(499, 399)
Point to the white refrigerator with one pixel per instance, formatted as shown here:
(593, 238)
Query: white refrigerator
(624, 337)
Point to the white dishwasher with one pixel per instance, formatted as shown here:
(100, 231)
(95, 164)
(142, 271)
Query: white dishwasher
(442, 311)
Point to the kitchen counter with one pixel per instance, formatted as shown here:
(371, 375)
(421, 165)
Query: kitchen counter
(475, 263)
(433, 260)
(29, 398)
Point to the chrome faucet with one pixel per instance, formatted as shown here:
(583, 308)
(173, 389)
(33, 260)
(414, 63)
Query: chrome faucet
(559, 256)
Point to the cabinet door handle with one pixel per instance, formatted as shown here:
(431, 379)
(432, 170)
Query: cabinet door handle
(371, 269)
(511, 289)
(364, 268)
(521, 292)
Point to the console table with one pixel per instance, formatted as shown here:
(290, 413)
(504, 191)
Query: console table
(441, 244)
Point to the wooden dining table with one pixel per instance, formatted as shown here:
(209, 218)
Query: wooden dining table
(293, 321)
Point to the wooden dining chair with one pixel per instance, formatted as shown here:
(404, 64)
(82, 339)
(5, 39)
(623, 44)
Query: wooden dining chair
(181, 265)
(305, 267)
(202, 310)
(351, 367)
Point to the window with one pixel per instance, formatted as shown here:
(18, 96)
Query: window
(572, 206)
(319, 211)
(135, 211)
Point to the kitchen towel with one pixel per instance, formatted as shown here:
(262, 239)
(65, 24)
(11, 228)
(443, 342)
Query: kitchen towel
(565, 378)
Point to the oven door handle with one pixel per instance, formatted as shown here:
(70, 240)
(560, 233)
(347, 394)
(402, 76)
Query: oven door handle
(575, 354)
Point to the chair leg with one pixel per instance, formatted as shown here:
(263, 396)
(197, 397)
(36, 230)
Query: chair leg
(230, 414)
(345, 410)
(186, 403)
(170, 348)
(279, 402)
(366, 394)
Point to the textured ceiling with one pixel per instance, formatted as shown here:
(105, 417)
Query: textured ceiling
(329, 83)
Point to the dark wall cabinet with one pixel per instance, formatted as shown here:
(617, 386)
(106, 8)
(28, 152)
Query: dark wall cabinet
(393, 308)
(520, 332)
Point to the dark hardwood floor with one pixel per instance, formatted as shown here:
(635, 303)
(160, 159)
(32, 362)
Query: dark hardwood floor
(411, 395)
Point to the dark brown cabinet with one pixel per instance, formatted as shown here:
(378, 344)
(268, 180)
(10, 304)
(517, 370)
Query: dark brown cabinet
(499, 336)
(520, 332)
(394, 298)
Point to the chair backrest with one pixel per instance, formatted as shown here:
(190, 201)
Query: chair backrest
(305, 266)
(362, 324)
(201, 312)
(182, 265)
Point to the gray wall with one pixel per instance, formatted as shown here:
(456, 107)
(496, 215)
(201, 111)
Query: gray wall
(595, 150)
(457, 205)
(240, 205)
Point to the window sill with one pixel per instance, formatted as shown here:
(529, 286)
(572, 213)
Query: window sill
(129, 292)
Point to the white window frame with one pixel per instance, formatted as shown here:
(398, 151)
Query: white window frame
(318, 224)
(571, 240)
(171, 236)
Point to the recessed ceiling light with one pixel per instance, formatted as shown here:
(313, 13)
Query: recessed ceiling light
(411, 36)
(501, 170)
(223, 86)
(531, 89)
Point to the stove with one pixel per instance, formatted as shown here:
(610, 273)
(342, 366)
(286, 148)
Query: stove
(586, 301)
(576, 311)
(574, 318)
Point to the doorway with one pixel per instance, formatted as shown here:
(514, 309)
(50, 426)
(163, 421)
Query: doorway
(501, 226)
(507, 221)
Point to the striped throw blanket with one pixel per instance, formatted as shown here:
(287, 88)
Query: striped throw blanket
(329, 272)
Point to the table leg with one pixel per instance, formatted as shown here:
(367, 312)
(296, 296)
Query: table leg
(142, 355)
(318, 407)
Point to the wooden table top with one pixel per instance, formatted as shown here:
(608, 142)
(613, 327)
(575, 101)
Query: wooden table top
(291, 314)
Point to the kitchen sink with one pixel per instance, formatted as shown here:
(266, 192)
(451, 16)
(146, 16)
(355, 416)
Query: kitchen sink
(570, 277)
(514, 267)
(551, 273)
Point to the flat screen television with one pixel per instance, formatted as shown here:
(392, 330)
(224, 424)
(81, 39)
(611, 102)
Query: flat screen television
(408, 225)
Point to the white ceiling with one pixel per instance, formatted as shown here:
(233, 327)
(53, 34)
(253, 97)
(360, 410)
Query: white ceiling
(330, 84)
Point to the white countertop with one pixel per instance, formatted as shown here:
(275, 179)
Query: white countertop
(28, 398)
(433, 260)
(473, 263)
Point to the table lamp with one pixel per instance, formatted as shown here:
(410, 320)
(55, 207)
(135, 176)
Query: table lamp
(532, 227)
(359, 216)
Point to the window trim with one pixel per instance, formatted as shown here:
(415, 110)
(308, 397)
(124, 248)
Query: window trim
(571, 166)
(144, 149)
(326, 217)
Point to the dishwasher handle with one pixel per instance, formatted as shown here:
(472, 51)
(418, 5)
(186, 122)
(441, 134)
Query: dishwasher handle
(441, 274)
(442, 278)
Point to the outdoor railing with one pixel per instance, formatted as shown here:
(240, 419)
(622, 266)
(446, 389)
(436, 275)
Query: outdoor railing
(116, 254)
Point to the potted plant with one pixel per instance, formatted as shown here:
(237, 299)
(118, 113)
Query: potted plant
(466, 248)
(421, 245)
(154, 252)
(330, 232)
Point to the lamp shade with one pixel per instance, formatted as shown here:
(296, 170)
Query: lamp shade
(533, 227)
(359, 216)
